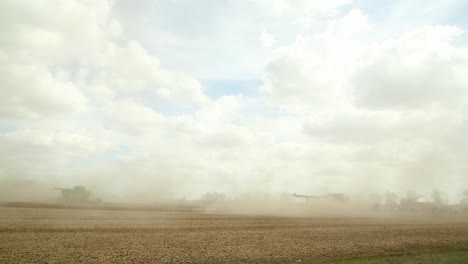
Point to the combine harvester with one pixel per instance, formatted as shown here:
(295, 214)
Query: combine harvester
(391, 203)
(413, 205)
(335, 197)
(77, 195)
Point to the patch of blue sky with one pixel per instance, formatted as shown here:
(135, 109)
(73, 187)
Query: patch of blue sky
(164, 106)
(118, 151)
(219, 88)
(396, 17)
(255, 107)
(109, 155)
(9, 125)
(71, 68)
(374, 9)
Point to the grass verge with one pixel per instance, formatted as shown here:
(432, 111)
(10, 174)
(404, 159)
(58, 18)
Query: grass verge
(455, 256)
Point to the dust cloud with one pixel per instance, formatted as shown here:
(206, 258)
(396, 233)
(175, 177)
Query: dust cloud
(324, 204)
(27, 191)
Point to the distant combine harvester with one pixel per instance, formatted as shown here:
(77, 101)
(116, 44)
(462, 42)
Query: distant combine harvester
(77, 194)
(338, 197)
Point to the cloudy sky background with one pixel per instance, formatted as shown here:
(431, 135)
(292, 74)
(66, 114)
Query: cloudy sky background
(171, 98)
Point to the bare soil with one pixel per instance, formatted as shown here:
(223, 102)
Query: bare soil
(37, 235)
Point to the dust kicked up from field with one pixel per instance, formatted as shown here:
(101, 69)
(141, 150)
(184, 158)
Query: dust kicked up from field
(35, 235)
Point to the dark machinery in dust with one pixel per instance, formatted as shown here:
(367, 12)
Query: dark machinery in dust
(77, 194)
(339, 197)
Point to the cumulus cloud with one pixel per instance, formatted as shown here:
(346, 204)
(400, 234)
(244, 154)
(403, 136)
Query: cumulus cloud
(315, 68)
(47, 155)
(38, 49)
(132, 118)
(31, 34)
(132, 68)
(388, 107)
(73, 87)
(96, 93)
(266, 39)
(421, 67)
(32, 91)
(304, 7)
(226, 137)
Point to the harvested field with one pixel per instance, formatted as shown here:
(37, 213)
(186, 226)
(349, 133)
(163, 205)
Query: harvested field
(35, 235)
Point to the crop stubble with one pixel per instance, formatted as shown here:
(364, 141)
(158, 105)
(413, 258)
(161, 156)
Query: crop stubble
(34, 235)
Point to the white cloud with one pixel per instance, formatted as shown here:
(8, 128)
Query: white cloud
(132, 68)
(49, 155)
(83, 43)
(200, 49)
(65, 142)
(266, 39)
(227, 136)
(31, 91)
(315, 68)
(355, 22)
(132, 118)
(389, 108)
(93, 94)
(31, 34)
(420, 68)
(307, 7)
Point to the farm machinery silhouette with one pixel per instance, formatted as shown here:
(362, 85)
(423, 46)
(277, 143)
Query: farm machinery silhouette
(77, 195)
(391, 202)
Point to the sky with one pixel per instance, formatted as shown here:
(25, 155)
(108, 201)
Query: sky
(176, 98)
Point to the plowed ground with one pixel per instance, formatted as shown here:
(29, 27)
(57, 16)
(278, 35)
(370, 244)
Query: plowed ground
(34, 235)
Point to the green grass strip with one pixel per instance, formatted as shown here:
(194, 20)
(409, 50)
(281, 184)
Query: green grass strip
(455, 256)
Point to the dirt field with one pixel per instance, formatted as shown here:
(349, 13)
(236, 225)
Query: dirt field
(34, 235)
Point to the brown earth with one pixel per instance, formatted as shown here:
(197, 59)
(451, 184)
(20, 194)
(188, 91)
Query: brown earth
(35, 235)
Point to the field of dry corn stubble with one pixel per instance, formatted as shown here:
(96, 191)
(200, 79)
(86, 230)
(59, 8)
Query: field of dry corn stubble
(34, 235)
